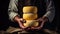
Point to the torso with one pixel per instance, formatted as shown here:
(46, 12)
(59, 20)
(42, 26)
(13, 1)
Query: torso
(38, 3)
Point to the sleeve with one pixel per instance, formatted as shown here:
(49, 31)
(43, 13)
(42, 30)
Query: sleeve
(50, 10)
(12, 9)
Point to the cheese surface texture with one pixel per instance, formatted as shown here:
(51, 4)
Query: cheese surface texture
(30, 14)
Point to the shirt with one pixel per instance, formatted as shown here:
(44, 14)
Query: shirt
(13, 9)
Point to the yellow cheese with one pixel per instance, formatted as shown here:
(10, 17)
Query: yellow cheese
(30, 23)
(30, 9)
(35, 24)
(29, 16)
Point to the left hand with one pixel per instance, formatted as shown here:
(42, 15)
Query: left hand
(41, 21)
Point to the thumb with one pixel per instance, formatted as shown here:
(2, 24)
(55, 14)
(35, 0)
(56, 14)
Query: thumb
(42, 24)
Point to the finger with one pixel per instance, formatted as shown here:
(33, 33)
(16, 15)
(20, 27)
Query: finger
(41, 25)
(23, 21)
(38, 20)
(32, 27)
(21, 25)
(28, 28)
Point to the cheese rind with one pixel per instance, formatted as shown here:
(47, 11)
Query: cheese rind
(29, 16)
(30, 23)
(30, 9)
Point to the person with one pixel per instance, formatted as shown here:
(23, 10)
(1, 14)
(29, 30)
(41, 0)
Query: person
(46, 12)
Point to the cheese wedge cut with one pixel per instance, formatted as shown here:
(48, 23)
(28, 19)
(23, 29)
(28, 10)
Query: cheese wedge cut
(29, 16)
(30, 9)
(30, 23)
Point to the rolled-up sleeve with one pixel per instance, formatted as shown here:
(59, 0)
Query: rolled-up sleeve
(50, 10)
(12, 10)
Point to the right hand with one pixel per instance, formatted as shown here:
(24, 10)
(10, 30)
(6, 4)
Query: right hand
(20, 22)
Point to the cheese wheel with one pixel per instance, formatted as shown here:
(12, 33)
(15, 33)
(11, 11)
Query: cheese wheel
(29, 16)
(36, 24)
(30, 9)
(30, 23)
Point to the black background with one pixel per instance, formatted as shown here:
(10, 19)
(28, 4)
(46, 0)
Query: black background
(4, 21)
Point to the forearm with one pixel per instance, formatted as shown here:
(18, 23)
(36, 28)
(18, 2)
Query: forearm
(12, 10)
(50, 10)
(12, 15)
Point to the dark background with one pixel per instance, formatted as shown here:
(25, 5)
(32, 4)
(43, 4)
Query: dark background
(4, 21)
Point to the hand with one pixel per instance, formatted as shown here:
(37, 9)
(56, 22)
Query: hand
(41, 23)
(20, 21)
